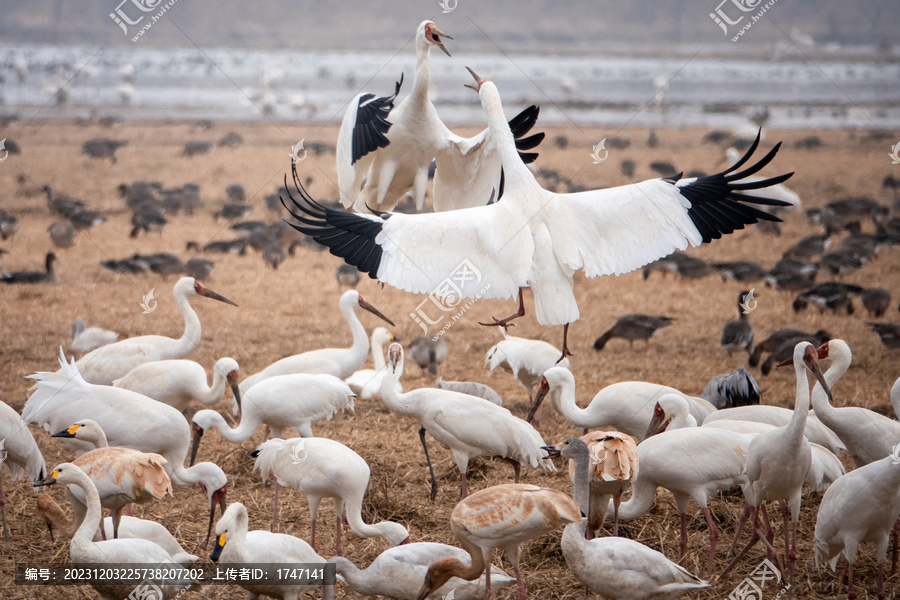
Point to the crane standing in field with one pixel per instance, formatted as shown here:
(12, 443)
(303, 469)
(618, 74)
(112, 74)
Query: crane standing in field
(536, 238)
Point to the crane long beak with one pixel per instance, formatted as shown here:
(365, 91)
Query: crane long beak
(438, 42)
(218, 496)
(658, 423)
(478, 81)
(376, 312)
(196, 434)
(537, 402)
(208, 293)
(236, 390)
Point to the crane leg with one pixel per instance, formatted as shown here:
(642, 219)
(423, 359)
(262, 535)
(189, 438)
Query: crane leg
(504, 323)
(116, 517)
(434, 485)
(684, 537)
(880, 591)
(339, 525)
(312, 537)
(520, 585)
(770, 539)
(274, 509)
(851, 593)
(487, 579)
(713, 541)
(740, 528)
(517, 468)
(755, 537)
(790, 549)
(464, 486)
(565, 348)
(3, 509)
(617, 499)
(894, 535)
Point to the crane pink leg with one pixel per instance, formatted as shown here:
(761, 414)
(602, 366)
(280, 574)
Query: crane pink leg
(880, 590)
(504, 323)
(464, 487)
(895, 533)
(565, 347)
(755, 537)
(338, 545)
(520, 585)
(517, 468)
(684, 536)
(770, 538)
(487, 580)
(312, 537)
(851, 593)
(740, 528)
(713, 541)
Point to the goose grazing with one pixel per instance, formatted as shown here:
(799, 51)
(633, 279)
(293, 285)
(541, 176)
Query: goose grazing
(398, 573)
(428, 353)
(738, 335)
(108, 363)
(338, 362)
(366, 383)
(780, 337)
(616, 567)
(505, 517)
(888, 334)
(633, 327)
(876, 301)
(738, 388)
(469, 426)
(322, 468)
(62, 233)
(48, 275)
(236, 544)
(534, 237)
(85, 339)
(117, 552)
(470, 388)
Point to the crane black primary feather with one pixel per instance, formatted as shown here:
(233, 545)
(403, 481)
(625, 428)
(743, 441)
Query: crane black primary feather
(371, 123)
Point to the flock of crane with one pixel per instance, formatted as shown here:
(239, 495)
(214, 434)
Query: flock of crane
(124, 407)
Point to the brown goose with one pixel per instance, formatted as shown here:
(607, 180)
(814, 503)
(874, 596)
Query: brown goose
(633, 327)
(738, 335)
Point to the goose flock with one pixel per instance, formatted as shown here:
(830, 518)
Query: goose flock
(127, 409)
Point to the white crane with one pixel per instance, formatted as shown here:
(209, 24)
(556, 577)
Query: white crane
(235, 544)
(862, 506)
(384, 152)
(536, 238)
(616, 567)
(505, 517)
(694, 463)
(526, 360)
(121, 475)
(108, 363)
(339, 362)
(178, 382)
(118, 552)
(777, 463)
(867, 435)
(19, 452)
(322, 468)
(366, 383)
(627, 406)
(296, 401)
(128, 419)
(85, 339)
(815, 430)
(129, 527)
(469, 426)
(398, 573)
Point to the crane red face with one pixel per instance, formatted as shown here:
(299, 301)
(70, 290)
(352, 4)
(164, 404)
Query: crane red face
(823, 351)
(433, 36)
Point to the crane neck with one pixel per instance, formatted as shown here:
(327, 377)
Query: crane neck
(250, 422)
(422, 84)
(360, 346)
(518, 177)
(392, 393)
(358, 579)
(822, 407)
(210, 394)
(563, 396)
(190, 339)
(797, 424)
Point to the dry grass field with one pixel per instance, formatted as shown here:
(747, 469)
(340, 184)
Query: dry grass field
(294, 309)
